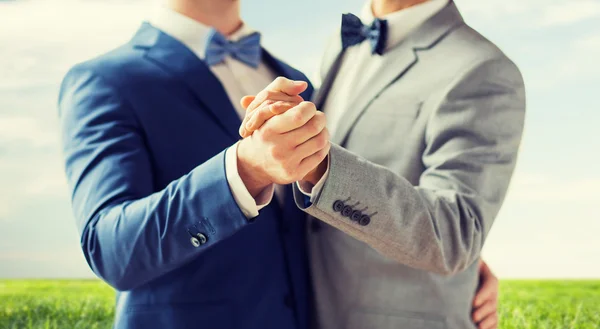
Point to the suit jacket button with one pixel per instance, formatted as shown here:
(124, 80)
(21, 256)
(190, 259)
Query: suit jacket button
(364, 220)
(338, 205)
(356, 215)
(347, 211)
(195, 242)
(201, 238)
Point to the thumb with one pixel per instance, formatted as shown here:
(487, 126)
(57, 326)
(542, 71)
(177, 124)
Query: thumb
(246, 100)
(287, 86)
(293, 88)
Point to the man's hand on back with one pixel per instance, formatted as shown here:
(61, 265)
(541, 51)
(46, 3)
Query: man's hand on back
(485, 303)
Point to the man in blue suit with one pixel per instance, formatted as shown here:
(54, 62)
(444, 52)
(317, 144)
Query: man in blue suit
(163, 214)
(172, 211)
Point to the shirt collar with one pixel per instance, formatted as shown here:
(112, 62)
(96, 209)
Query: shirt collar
(188, 31)
(401, 23)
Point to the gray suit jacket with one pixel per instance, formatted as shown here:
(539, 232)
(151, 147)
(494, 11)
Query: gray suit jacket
(428, 147)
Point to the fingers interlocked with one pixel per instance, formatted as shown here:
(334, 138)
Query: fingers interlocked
(291, 133)
(276, 98)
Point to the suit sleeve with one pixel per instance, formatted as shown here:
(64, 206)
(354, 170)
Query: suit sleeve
(131, 232)
(471, 143)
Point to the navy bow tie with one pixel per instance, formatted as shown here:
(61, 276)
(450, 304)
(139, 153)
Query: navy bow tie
(246, 50)
(354, 32)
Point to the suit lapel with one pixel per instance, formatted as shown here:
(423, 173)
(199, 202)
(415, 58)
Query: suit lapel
(332, 60)
(185, 65)
(397, 62)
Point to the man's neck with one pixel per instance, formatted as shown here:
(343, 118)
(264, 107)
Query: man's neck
(383, 7)
(222, 15)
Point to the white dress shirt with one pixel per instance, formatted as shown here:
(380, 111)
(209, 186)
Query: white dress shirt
(359, 65)
(238, 80)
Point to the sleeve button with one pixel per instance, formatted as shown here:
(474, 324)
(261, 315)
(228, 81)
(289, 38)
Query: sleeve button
(347, 211)
(338, 206)
(364, 220)
(356, 215)
(195, 242)
(201, 238)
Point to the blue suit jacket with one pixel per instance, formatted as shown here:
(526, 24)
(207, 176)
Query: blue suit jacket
(144, 132)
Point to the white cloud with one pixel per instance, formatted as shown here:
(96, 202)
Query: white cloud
(41, 255)
(56, 263)
(495, 9)
(569, 12)
(590, 43)
(51, 184)
(74, 30)
(542, 259)
(29, 175)
(543, 188)
(26, 130)
(8, 204)
(546, 228)
(4, 211)
(531, 13)
(580, 62)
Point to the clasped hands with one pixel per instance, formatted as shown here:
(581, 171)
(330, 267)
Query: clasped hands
(285, 138)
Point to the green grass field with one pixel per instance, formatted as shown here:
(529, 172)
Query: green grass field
(89, 304)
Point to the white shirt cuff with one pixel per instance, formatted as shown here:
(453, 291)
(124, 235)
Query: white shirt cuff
(313, 191)
(249, 206)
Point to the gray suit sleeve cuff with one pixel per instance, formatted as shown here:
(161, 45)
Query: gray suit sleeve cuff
(328, 200)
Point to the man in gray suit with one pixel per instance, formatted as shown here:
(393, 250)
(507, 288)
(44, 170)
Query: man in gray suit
(426, 118)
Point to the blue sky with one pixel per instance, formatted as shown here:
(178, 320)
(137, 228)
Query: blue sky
(548, 227)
